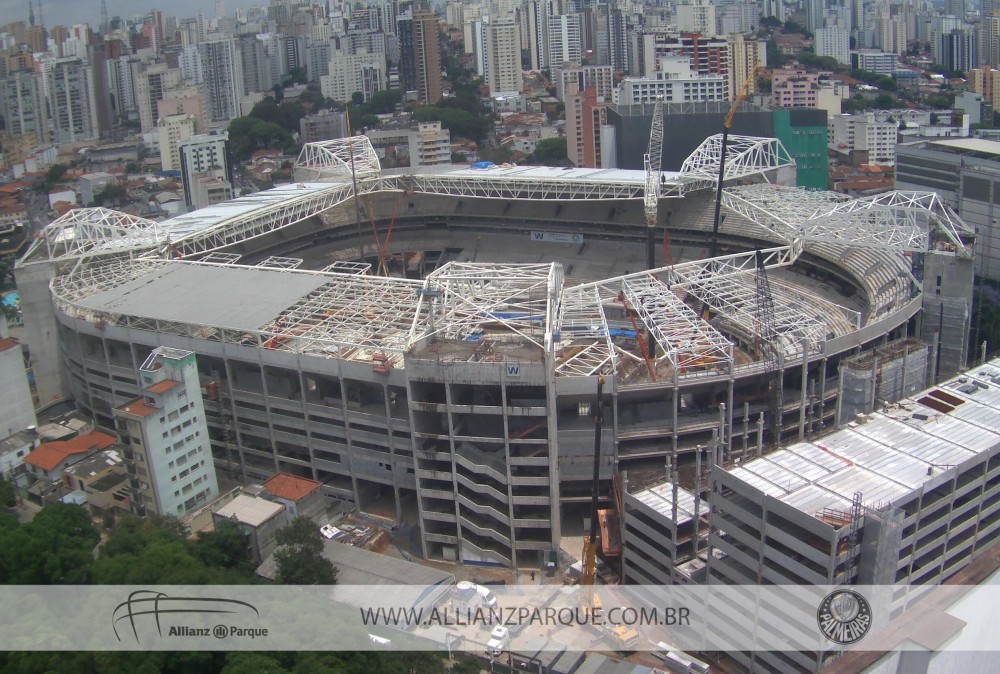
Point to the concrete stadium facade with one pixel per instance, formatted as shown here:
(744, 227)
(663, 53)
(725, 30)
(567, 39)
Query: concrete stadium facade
(455, 390)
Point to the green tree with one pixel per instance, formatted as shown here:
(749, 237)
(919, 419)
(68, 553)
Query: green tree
(885, 101)
(550, 152)
(8, 498)
(56, 547)
(226, 547)
(55, 172)
(109, 194)
(6, 270)
(939, 101)
(299, 556)
(357, 98)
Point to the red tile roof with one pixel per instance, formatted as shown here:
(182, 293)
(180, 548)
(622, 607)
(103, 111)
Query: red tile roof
(49, 455)
(137, 408)
(290, 487)
(163, 386)
(8, 343)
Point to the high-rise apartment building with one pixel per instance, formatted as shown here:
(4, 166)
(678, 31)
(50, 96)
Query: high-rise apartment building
(256, 69)
(503, 46)
(72, 108)
(363, 72)
(168, 458)
(696, 16)
(708, 55)
(835, 42)
(534, 16)
(572, 79)
(150, 87)
(985, 81)
(204, 161)
(223, 72)
(426, 55)
(564, 45)
(172, 130)
(188, 100)
(745, 54)
(24, 105)
(586, 113)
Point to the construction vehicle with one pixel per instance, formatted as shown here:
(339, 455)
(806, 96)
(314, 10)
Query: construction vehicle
(589, 600)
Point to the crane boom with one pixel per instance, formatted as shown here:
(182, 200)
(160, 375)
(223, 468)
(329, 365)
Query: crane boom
(588, 564)
(727, 123)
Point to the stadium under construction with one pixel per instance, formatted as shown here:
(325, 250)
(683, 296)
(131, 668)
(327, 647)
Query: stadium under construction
(426, 342)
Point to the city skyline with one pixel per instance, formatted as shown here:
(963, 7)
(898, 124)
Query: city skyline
(69, 12)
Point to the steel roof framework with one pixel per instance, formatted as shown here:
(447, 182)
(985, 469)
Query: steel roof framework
(352, 317)
(686, 340)
(733, 298)
(339, 159)
(466, 299)
(94, 231)
(745, 156)
(505, 186)
(245, 226)
(898, 221)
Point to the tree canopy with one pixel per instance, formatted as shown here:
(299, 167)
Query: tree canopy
(549, 152)
(299, 556)
(55, 548)
(459, 122)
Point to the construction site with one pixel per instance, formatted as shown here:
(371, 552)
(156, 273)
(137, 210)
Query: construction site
(427, 345)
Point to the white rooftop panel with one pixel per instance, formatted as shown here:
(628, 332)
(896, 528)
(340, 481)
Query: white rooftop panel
(889, 457)
(661, 499)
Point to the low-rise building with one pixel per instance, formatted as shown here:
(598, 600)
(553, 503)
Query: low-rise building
(13, 450)
(874, 61)
(92, 184)
(300, 495)
(102, 479)
(49, 459)
(258, 518)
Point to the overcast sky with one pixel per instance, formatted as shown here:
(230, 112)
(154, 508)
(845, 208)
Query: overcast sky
(68, 12)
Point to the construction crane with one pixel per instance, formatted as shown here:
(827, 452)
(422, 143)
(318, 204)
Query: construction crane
(766, 344)
(651, 195)
(727, 124)
(588, 561)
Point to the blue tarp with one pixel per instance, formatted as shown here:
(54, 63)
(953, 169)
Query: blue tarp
(482, 164)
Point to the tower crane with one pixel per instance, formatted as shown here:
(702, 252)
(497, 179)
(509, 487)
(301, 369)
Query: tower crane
(588, 561)
(651, 195)
(727, 123)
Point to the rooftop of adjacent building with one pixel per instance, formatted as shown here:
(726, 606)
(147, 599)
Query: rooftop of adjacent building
(49, 455)
(290, 487)
(250, 510)
(95, 464)
(887, 455)
(136, 408)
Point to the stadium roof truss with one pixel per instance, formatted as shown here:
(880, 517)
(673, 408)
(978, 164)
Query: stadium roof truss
(899, 221)
(94, 231)
(581, 319)
(685, 339)
(338, 159)
(353, 316)
(256, 222)
(466, 300)
(745, 156)
(510, 185)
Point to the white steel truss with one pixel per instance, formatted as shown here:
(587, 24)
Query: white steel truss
(505, 301)
(348, 267)
(94, 231)
(582, 320)
(260, 221)
(493, 185)
(900, 221)
(745, 156)
(686, 340)
(276, 262)
(222, 258)
(734, 299)
(354, 316)
(337, 160)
